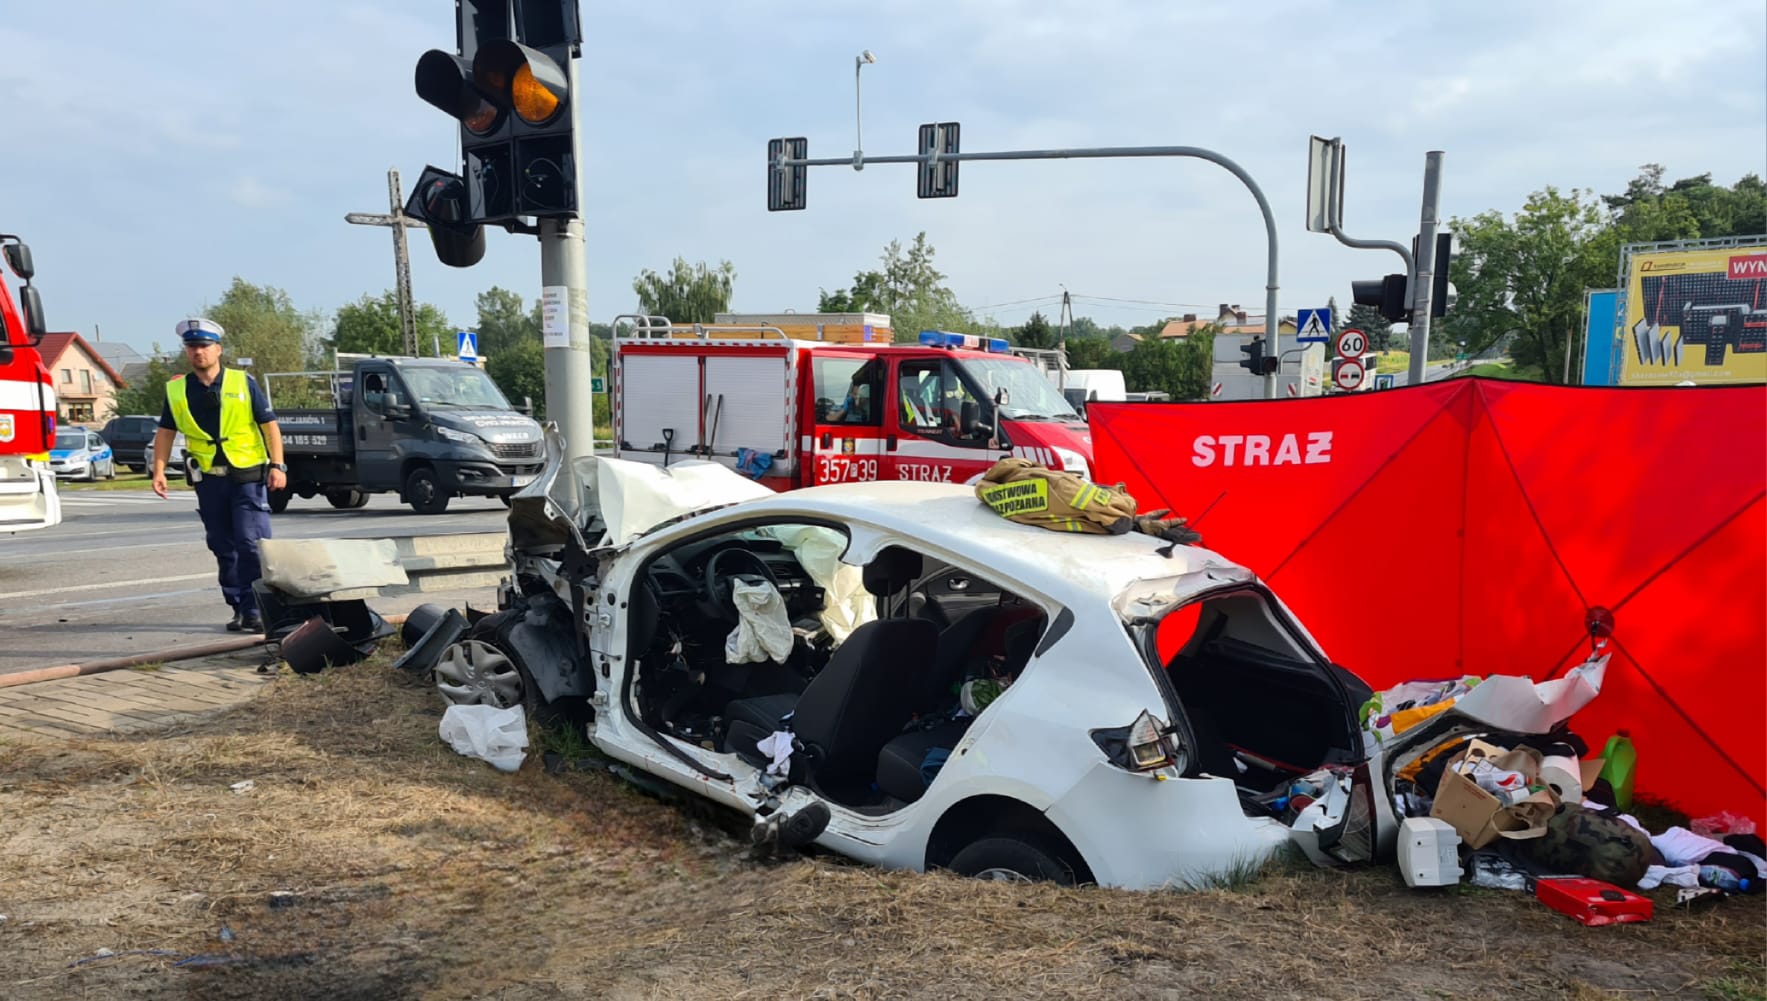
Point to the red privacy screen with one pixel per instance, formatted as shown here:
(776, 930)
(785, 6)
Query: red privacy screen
(1470, 526)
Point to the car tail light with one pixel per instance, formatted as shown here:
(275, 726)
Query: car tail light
(1143, 746)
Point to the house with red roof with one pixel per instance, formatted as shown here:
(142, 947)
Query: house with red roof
(85, 384)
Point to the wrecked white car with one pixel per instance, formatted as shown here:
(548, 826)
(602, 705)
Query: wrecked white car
(897, 673)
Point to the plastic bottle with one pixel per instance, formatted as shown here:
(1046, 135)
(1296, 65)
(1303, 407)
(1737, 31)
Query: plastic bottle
(1622, 760)
(1724, 879)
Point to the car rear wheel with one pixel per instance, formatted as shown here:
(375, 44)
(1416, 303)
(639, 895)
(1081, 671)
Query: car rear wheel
(279, 500)
(345, 500)
(110, 469)
(424, 493)
(1012, 859)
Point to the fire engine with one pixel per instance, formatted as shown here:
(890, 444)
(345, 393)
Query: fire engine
(28, 497)
(797, 413)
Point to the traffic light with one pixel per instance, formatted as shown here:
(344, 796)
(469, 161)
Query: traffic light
(442, 201)
(1441, 292)
(1255, 360)
(509, 88)
(938, 180)
(1385, 294)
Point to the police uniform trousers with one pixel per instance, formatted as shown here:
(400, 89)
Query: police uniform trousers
(234, 517)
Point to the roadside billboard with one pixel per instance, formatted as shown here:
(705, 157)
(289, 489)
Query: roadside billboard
(1694, 313)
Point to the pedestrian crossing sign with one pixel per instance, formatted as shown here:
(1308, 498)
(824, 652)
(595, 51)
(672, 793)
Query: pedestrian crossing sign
(469, 346)
(1313, 326)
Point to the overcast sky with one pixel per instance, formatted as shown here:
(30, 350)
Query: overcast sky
(159, 149)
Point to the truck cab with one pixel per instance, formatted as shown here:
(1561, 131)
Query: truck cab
(28, 496)
(430, 429)
(794, 413)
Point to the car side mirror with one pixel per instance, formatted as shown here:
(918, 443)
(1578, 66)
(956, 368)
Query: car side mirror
(969, 419)
(527, 406)
(31, 305)
(18, 257)
(394, 406)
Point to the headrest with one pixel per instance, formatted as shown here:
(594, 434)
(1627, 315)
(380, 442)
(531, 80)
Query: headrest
(892, 570)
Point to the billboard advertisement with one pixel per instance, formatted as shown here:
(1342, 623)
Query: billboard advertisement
(1695, 315)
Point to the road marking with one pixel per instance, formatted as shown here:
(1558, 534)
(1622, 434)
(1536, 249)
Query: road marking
(106, 586)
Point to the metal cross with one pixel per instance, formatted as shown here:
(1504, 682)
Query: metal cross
(398, 222)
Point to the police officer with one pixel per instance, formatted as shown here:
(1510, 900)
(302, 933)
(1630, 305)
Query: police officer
(236, 448)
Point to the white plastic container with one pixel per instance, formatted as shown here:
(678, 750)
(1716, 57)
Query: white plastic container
(1429, 852)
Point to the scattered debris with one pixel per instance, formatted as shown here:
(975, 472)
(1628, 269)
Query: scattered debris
(244, 787)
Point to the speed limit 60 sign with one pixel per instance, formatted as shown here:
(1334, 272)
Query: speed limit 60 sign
(1351, 343)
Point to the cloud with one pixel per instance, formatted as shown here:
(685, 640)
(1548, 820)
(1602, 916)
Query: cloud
(252, 193)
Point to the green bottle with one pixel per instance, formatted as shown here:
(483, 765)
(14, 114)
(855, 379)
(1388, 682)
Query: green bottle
(1621, 762)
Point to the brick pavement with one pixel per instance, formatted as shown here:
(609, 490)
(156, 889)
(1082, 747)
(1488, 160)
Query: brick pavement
(129, 700)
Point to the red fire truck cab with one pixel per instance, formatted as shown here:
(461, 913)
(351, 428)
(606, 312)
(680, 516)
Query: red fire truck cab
(28, 498)
(795, 413)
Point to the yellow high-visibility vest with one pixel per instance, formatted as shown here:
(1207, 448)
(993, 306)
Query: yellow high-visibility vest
(239, 431)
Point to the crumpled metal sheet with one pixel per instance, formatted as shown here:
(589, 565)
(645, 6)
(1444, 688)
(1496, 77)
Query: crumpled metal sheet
(315, 568)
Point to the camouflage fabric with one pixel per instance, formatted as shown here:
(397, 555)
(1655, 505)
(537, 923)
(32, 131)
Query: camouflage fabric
(1025, 492)
(1587, 843)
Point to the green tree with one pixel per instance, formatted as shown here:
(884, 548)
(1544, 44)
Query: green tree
(146, 393)
(1179, 366)
(908, 288)
(1036, 333)
(370, 325)
(1093, 352)
(520, 371)
(262, 324)
(687, 293)
(1368, 320)
(503, 322)
(1691, 208)
(1523, 278)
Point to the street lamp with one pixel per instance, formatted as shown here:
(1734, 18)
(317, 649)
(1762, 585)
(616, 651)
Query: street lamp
(859, 62)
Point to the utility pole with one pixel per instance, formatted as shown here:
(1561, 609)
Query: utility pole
(1423, 284)
(564, 313)
(396, 220)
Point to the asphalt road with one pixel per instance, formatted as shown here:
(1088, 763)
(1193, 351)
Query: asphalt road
(126, 572)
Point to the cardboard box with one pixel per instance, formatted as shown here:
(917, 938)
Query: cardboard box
(1480, 817)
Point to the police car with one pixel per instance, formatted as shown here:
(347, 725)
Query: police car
(81, 454)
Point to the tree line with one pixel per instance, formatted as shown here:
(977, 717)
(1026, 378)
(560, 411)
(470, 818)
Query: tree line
(1520, 280)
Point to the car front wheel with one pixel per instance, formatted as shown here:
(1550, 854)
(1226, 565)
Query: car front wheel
(424, 493)
(1014, 860)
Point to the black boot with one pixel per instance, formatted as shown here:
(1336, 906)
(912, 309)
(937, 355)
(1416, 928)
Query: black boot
(237, 622)
(251, 622)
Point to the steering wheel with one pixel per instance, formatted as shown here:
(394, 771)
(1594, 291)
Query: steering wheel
(718, 588)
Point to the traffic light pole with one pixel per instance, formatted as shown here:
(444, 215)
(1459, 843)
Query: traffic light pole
(1271, 324)
(1424, 282)
(564, 311)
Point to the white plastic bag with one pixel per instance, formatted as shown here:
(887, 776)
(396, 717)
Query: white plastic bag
(763, 631)
(496, 736)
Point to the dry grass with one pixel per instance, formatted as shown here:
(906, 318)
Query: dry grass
(369, 861)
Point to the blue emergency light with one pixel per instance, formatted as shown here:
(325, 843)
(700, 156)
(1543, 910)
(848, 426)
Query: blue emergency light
(972, 342)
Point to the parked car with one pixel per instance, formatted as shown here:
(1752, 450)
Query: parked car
(131, 435)
(174, 459)
(81, 454)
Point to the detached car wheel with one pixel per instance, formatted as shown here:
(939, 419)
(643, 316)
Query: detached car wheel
(473, 672)
(1013, 860)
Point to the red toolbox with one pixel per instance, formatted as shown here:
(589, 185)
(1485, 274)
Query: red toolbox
(1591, 901)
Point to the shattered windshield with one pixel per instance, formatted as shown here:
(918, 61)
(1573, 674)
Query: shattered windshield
(465, 387)
(1030, 396)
